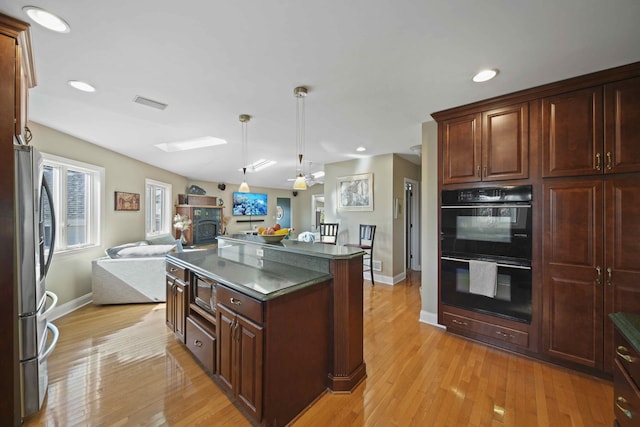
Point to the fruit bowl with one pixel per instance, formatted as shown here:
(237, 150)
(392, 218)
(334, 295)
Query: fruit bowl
(272, 238)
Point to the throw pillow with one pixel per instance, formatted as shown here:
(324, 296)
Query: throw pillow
(145, 251)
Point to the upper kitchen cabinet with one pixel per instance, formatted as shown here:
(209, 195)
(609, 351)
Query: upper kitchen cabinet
(490, 145)
(592, 131)
(622, 126)
(22, 64)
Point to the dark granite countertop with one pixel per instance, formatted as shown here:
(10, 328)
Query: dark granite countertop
(263, 280)
(288, 245)
(629, 326)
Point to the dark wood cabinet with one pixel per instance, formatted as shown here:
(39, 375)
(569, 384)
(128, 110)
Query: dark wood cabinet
(176, 300)
(240, 359)
(591, 242)
(622, 126)
(592, 131)
(573, 267)
(489, 146)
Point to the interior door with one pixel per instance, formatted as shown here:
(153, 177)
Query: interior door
(283, 212)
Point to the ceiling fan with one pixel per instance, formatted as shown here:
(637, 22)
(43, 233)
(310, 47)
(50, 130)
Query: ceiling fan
(312, 178)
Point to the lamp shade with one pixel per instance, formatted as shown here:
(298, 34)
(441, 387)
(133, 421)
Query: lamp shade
(300, 183)
(244, 187)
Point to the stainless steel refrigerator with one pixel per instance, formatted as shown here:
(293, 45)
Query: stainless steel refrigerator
(35, 238)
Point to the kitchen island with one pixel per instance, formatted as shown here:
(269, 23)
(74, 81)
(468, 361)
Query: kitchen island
(275, 324)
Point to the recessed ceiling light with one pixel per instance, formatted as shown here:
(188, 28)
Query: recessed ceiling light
(359, 149)
(80, 85)
(47, 19)
(191, 144)
(485, 75)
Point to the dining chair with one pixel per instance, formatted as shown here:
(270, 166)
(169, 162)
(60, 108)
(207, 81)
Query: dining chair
(365, 242)
(328, 233)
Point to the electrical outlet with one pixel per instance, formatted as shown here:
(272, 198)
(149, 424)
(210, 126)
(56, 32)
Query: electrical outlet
(260, 252)
(377, 265)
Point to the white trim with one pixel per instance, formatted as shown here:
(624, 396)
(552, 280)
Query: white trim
(430, 319)
(168, 206)
(70, 306)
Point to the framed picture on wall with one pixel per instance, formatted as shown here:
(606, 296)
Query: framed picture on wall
(127, 201)
(355, 192)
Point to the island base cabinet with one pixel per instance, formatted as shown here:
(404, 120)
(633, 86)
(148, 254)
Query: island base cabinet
(240, 359)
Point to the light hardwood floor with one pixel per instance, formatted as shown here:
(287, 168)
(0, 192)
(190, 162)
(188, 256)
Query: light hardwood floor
(120, 366)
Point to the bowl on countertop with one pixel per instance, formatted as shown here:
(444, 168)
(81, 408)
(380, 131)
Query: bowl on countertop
(272, 238)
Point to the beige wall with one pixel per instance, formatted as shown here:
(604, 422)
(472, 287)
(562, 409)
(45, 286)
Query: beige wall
(389, 172)
(70, 273)
(429, 223)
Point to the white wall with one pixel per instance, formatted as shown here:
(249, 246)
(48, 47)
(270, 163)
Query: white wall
(430, 233)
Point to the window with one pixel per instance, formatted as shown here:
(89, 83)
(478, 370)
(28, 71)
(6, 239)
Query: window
(158, 208)
(76, 188)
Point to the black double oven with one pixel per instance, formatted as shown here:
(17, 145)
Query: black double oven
(487, 232)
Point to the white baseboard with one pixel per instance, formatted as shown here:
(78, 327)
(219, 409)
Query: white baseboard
(430, 318)
(70, 306)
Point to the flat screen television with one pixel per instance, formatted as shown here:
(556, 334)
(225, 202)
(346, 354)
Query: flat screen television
(249, 203)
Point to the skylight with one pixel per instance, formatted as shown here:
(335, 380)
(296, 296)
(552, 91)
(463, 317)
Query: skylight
(191, 144)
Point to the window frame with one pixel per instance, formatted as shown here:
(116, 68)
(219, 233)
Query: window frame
(167, 225)
(95, 203)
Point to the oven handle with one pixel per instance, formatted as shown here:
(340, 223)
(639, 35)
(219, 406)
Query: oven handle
(522, 267)
(481, 205)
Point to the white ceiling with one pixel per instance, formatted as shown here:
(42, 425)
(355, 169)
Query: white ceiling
(375, 71)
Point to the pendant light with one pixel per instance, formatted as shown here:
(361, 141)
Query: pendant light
(300, 93)
(244, 187)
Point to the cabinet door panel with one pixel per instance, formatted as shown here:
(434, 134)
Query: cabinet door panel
(170, 308)
(622, 126)
(505, 143)
(573, 298)
(461, 149)
(249, 387)
(224, 352)
(622, 201)
(180, 310)
(572, 133)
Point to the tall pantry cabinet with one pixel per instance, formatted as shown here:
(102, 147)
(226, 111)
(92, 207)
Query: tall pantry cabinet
(16, 76)
(591, 224)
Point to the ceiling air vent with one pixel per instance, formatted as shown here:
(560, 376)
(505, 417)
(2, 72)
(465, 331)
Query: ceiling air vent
(149, 102)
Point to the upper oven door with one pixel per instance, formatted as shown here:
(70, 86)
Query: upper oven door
(497, 231)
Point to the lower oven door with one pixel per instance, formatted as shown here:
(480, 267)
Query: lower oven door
(512, 298)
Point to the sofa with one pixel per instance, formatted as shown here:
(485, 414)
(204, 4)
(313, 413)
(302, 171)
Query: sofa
(133, 272)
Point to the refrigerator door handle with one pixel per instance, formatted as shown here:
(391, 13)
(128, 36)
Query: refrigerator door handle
(53, 343)
(54, 302)
(52, 244)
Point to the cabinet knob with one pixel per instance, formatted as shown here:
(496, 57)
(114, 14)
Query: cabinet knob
(235, 301)
(458, 322)
(478, 171)
(623, 353)
(599, 277)
(197, 343)
(598, 162)
(609, 276)
(609, 160)
(502, 334)
(173, 270)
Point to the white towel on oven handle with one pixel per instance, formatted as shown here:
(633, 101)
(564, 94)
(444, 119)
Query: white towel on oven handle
(483, 278)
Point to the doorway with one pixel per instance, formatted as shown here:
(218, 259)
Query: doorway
(317, 211)
(283, 212)
(412, 224)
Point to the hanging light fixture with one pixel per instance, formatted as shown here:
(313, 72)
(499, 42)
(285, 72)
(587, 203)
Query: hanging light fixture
(300, 93)
(244, 187)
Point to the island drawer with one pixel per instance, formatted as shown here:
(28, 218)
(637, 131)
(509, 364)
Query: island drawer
(202, 345)
(176, 271)
(241, 304)
(497, 332)
(628, 357)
